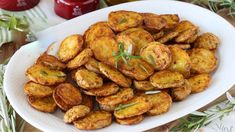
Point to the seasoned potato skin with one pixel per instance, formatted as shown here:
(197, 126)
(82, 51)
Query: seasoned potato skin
(180, 61)
(87, 101)
(37, 90)
(185, 35)
(202, 60)
(80, 59)
(60, 103)
(143, 85)
(75, 113)
(161, 103)
(154, 21)
(123, 95)
(167, 79)
(44, 75)
(139, 107)
(104, 47)
(114, 75)
(168, 36)
(182, 46)
(92, 65)
(171, 20)
(94, 120)
(183, 26)
(158, 35)
(131, 120)
(69, 94)
(199, 82)
(109, 108)
(122, 20)
(180, 93)
(192, 39)
(156, 54)
(46, 104)
(105, 90)
(70, 47)
(87, 79)
(51, 62)
(207, 41)
(99, 29)
(127, 42)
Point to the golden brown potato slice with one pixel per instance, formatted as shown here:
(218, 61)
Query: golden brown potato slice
(94, 120)
(46, 104)
(137, 106)
(109, 108)
(114, 75)
(202, 60)
(154, 21)
(122, 20)
(185, 35)
(99, 29)
(183, 25)
(69, 94)
(123, 95)
(105, 90)
(80, 59)
(137, 69)
(143, 85)
(180, 61)
(87, 101)
(75, 113)
(207, 41)
(37, 90)
(192, 39)
(182, 92)
(199, 82)
(158, 35)
(92, 65)
(140, 37)
(130, 121)
(104, 47)
(127, 42)
(60, 103)
(167, 37)
(51, 62)
(161, 103)
(181, 46)
(44, 75)
(156, 54)
(171, 20)
(70, 47)
(87, 79)
(167, 79)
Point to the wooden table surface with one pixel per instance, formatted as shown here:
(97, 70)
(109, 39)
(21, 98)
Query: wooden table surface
(8, 50)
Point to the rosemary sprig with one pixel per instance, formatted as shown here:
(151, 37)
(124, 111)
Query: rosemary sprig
(152, 92)
(123, 106)
(198, 119)
(124, 55)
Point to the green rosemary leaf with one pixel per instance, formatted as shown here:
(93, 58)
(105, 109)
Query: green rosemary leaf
(143, 68)
(124, 20)
(152, 60)
(123, 106)
(44, 73)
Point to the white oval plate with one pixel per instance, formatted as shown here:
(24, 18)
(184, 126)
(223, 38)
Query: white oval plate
(208, 21)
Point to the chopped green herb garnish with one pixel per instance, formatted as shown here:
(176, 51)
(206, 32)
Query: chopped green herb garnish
(124, 20)
(123, 106)
(152, 60)
(143, 68)
(44, 73)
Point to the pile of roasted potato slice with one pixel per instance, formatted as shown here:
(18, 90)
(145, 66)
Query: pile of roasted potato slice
(132, 66)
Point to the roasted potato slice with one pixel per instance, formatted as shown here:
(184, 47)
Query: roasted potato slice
(104, 47)
(105, 90)
(199, 82)
(128, 43)
(109, 108)
(143, 85)
(87, 101)
(185, 35)
(123, 95)
(99, 29)
(75, 113)
(158, 35)
(156, 54)
(192, 39)
(183, 25)
(167, 79)
(70, 47)
(60, 103)
(207, 41)
(87, 79)
(131, 120)
(51, 62)
(161, 103)
(154, 21)
(140, 37)
(137, 106)
(92, 65)
(69, 94)
(94, 120)
(80, 59)
(46, 104)
(202, 60)
(182, 46)
(37, 90)
(114, 75)
(167, 37)
(171, 20)
(44, 75)
(180, 93)
(180, 61)
(122, 20)
(137, 69)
